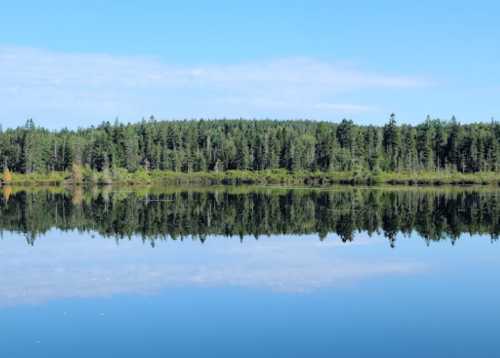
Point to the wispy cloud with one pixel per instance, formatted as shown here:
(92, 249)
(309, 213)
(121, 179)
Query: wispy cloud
(35, 82)
(69, 265)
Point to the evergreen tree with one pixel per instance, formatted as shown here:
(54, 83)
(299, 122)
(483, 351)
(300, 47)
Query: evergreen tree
(191, 146)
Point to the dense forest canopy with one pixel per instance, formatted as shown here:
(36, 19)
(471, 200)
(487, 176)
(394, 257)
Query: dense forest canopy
(217, 145)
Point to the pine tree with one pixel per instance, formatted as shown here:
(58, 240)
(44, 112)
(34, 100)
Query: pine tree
(392, 143)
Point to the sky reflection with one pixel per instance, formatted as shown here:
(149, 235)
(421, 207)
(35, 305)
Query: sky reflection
(76, 265)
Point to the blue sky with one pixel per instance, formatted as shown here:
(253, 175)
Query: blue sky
(78, 63)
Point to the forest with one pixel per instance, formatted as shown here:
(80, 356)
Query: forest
(194, 146)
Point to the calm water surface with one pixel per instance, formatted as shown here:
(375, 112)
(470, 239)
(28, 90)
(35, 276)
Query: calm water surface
(250, 272)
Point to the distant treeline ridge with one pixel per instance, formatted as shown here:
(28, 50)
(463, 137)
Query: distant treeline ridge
(219, 145)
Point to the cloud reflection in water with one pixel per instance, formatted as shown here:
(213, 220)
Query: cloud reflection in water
(74, 265)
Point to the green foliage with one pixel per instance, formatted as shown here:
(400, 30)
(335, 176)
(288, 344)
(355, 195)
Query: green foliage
(242, 145)
(90, 176)
(195, 213)
(105, 177)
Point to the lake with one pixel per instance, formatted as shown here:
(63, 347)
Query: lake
(249, 272)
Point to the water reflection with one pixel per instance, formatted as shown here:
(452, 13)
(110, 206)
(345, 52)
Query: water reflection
(179, 272)
(156, 214)
(75, 265)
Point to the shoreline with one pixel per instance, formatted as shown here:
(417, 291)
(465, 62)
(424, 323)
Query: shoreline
(268, 177)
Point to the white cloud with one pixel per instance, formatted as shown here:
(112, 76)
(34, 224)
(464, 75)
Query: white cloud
(58, 85)
(70, 265)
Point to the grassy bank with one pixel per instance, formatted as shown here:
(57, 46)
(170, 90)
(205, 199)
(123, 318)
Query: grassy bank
(276, 177)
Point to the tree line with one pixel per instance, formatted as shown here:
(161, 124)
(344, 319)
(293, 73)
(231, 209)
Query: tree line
(220, 145)
(199, 214)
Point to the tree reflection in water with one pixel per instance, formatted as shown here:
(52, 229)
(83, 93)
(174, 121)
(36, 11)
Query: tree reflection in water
(177, 213)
